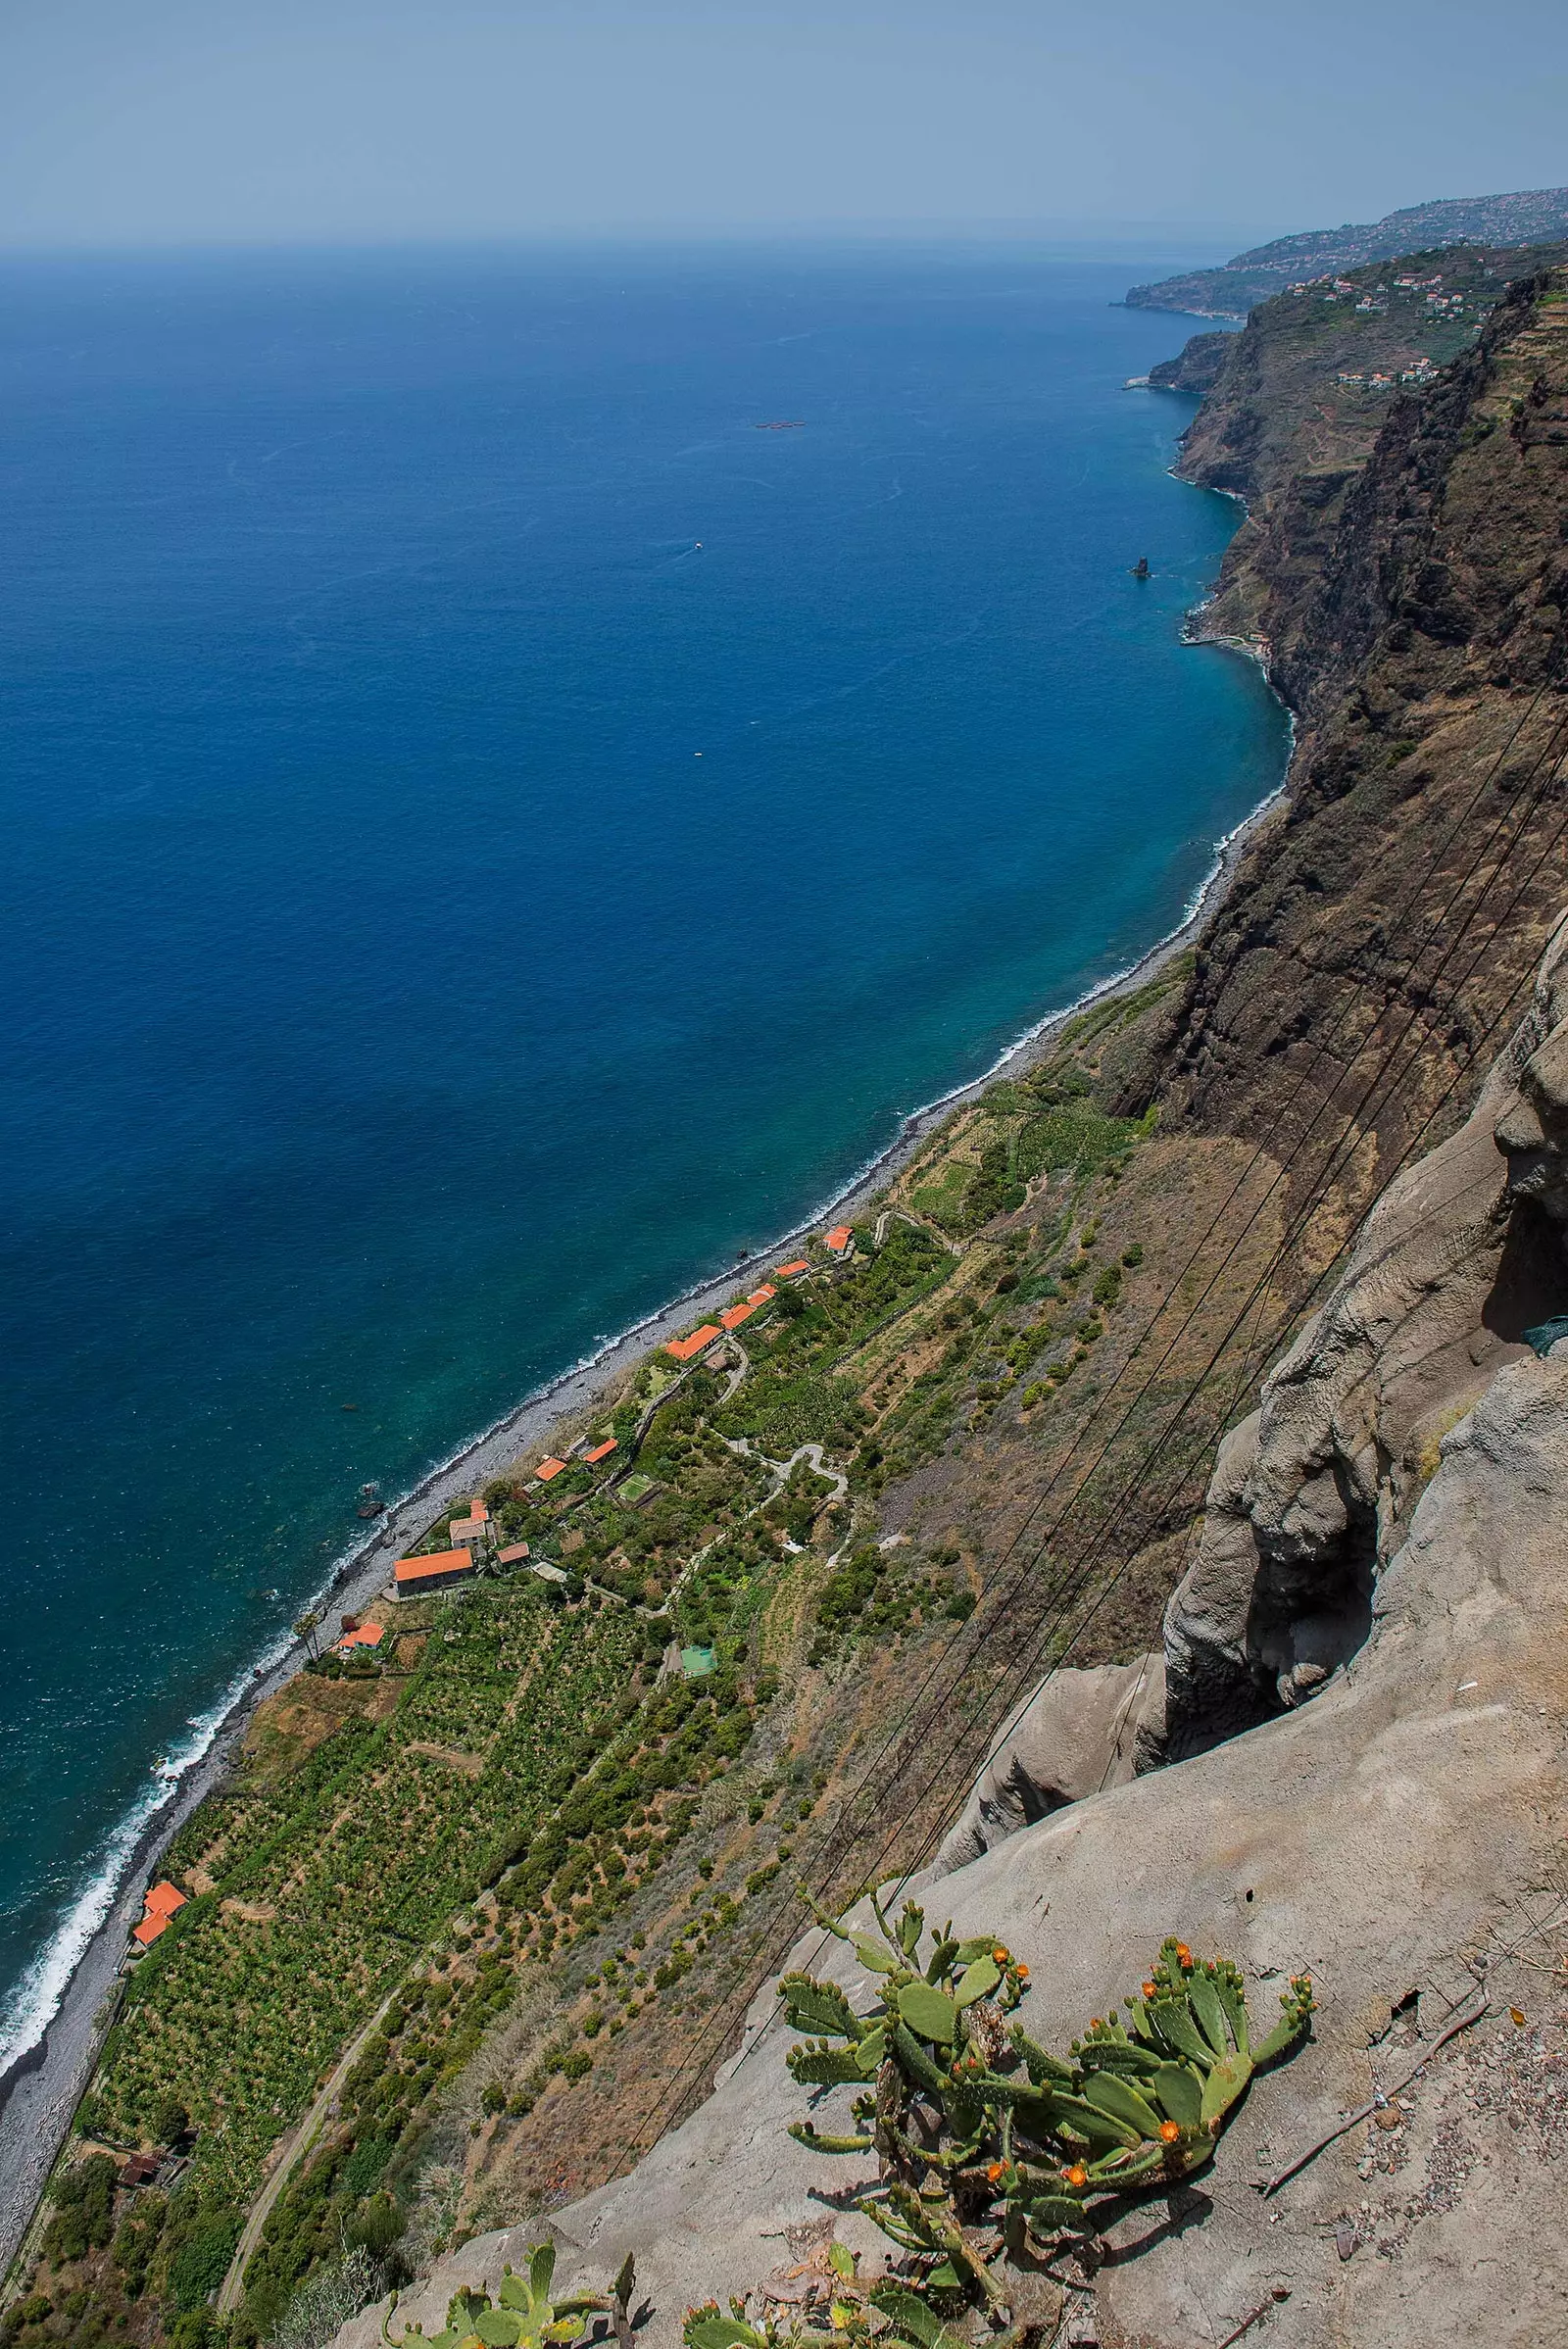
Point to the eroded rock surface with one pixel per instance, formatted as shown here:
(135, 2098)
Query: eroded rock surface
(1074, 1735)
(1310, 1494)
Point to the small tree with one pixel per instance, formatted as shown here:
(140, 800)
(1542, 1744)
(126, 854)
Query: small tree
(305, 1629)
(170, 2121)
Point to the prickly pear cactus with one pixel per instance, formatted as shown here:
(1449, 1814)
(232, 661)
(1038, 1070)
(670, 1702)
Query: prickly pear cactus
(937, 2027)
(986, 2141)
(526, 2316)
(888, 2313)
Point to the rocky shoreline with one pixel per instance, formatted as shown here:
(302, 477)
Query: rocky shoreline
(41, 2089)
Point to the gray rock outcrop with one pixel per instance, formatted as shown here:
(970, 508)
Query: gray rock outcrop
(1074, 1735)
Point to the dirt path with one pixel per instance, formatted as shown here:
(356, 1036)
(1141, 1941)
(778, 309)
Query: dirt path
(304, 2137)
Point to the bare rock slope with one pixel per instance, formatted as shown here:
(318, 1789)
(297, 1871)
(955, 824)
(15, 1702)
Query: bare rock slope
(1398, 1836)
(1311, 1495)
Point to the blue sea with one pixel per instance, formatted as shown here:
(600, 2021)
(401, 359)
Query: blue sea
(490, 833)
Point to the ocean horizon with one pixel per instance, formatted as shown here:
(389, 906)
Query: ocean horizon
(524, 769)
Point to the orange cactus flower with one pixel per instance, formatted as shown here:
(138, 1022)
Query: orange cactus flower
(1184, 1956)
(1148, 1989)
(1001, 1956)
(994, 2171)
(1077, 2176)
(1022, 1971)
(1169, 2133)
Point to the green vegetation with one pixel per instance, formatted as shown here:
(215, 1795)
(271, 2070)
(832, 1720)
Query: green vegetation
(526, 2316)
(327, 1885)
(606, 1840)
(420, 1831)
(83, 2215)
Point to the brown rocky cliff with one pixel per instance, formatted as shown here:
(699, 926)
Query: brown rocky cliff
(1293, 420)
(1419, 860)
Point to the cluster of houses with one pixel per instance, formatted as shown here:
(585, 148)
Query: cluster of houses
(1424, 372)
(840, 1246)
(689, 1348)
(472, 1538)
(1374, 300)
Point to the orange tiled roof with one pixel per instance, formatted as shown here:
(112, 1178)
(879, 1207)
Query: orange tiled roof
(762, 1296)
(158, 1908)
(548, 1469)
(681, 1350)
(368, 1635)
(734, 1315)
(601, 1451)
(838, 1239)
(511, 1556)
(438, 1561)
(786, 1272)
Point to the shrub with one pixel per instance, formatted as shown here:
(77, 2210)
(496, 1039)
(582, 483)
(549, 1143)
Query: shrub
(365, 2164)
(847, 1593)
(379, 2227)
(324, 2304)
(83, 2210)
(201, 2263)
(170, 2121)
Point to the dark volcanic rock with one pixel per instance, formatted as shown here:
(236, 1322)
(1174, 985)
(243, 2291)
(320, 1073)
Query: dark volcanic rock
(1196, 367)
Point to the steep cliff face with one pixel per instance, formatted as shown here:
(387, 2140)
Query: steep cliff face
(1310, 389)
(1196, 367)
(1313, 1493)
(1419, 635)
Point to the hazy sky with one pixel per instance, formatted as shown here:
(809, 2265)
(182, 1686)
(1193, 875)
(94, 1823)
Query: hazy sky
(159, 121)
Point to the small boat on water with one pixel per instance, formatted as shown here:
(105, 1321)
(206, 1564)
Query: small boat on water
(792, 423)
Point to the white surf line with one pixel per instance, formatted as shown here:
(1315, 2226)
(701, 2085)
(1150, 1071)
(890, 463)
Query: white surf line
(46, 1980)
